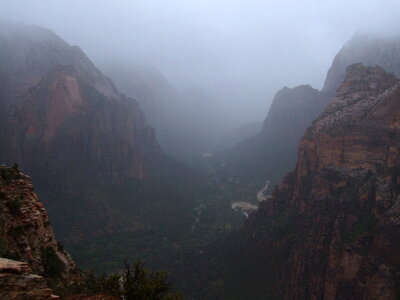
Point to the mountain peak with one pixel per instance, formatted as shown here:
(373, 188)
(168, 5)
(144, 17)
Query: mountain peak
(371, 50)
(360, 78)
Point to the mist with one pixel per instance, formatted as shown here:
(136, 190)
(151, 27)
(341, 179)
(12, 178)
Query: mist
(240, 52)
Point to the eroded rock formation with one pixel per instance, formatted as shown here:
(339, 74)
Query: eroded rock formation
(26, 233)
(17, 282)
(368, 49)
(272, 152)
(61, 118)
(340, 207)
(67, 126)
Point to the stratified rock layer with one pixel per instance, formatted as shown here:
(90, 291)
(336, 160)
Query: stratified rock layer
(26, 233)
(67, 126)
(368, 49)
(63, 121)
(337, 215)
(17, 282)
(272, 153)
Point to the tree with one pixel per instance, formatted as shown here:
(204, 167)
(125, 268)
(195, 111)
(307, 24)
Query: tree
(140, 284)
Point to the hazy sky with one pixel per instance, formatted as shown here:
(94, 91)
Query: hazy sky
(241, 51)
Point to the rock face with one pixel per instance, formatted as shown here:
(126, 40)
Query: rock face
(94, 161)
(26, 233)
(66, 125)
(271, 153)
(332, 226)
(16, 282)
(345, 193)
(368, 49)
(59, 111)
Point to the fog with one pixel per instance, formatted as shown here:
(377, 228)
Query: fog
(240, 52)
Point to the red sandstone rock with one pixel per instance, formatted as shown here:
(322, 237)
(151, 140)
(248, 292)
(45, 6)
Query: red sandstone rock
(16, 282)
(25, 230)
(345, 195)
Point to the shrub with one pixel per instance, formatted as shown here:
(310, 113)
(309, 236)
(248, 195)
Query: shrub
(16, 232)
(140, 284)
(6, 174)
(4, 249)
(53, 266)
(14, 205)
(15, 168)
(135, 283)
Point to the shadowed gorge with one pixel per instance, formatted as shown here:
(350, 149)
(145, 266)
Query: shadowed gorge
(96, 163)
(272, 152)
(219, 150)
(331, 226)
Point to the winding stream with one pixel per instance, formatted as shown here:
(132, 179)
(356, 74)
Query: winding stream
(247, 207)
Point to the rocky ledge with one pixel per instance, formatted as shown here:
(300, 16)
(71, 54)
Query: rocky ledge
(17, 282)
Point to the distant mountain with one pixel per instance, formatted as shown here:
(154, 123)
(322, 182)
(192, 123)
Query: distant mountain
(333, 224)
(59, 113)
(272, 152)
(95, 162)
(331, 229)
(239, 134)
(368, 49)
(26, 232)
(27, 236)
(187, 123)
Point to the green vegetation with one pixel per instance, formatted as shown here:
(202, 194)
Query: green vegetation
(140, 284)
(6, 174)
(365, 224)
(53, 266)
(15, 167)
(14, 205)
(134, 283)
(16, 232)
(5, 250)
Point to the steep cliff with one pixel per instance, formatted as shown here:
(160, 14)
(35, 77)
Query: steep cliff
(61, 114)
(331, 229)
(26, 233)
(345, 195)
(369, 49)
(272, 152)
(17, 282)
(27, 236)
(95, 162)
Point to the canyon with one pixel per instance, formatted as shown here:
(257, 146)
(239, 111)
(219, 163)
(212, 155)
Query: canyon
(327, 220)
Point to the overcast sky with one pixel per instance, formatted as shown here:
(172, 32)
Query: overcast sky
(241, 51)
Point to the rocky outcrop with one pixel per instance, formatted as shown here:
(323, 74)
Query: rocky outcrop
(345, 194)
(67, 126)
(26, 233)
(62, 118)
(333, 227)
(272, 152)
(96, 297)
(369, 49)
(17, 282)
(94, 161)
